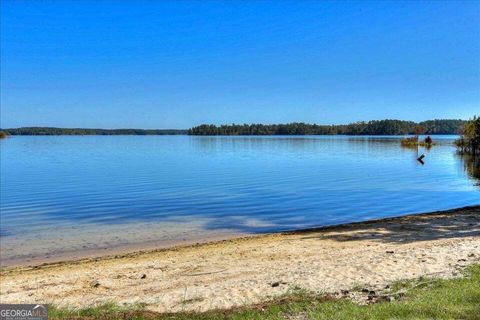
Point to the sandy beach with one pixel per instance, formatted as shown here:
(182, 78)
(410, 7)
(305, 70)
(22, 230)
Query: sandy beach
(229, 273)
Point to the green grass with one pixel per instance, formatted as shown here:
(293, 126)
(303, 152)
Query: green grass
(413, 143)
(423, 298)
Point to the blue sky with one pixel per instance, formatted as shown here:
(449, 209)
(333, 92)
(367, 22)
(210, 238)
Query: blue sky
(175, 64)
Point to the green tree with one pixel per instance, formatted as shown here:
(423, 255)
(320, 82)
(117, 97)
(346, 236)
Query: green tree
(470, 139)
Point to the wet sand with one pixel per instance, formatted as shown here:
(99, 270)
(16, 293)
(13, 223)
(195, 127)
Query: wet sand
(90, 241)
(249, 270)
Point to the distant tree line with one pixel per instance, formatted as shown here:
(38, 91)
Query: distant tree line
(375, 127)
(50, 131)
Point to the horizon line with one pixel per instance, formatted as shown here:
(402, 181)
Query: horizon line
(233, 123)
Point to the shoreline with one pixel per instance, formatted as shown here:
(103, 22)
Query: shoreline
(135, 249)
(248, 270)
(117, 251)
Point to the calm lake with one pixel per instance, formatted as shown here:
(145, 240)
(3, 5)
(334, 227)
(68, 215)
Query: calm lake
(75, 196)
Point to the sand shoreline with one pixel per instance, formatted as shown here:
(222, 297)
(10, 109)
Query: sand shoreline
(115, 251)
(135, 249)
(239, 271)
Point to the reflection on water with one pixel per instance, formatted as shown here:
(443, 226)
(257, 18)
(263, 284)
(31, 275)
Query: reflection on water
(471, 165)
(73, 194)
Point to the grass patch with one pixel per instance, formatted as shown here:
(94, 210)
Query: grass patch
(3, 134)
(413, 142)
(424, 298)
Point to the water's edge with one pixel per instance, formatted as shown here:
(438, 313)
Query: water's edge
(132, 250)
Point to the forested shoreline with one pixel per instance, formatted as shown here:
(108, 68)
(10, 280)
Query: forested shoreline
(374, 127)
(52, 131)
(469, 141)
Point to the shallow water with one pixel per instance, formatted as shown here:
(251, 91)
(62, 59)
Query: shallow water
(71, 196)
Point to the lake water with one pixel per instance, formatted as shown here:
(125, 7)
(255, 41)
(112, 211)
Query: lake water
(74, 196)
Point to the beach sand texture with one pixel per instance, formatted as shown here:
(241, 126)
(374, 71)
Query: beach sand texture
(231, 273)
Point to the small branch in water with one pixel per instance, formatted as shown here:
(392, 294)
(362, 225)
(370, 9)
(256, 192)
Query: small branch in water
(203, 273)
(420, 159)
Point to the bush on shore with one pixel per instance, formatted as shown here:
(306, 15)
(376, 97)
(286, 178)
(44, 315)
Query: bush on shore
(469, 142)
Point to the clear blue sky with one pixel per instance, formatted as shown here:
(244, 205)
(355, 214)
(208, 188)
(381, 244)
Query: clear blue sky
(175, 64)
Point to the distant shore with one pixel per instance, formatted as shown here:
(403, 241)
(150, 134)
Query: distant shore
(229, 273)
(373, 127)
